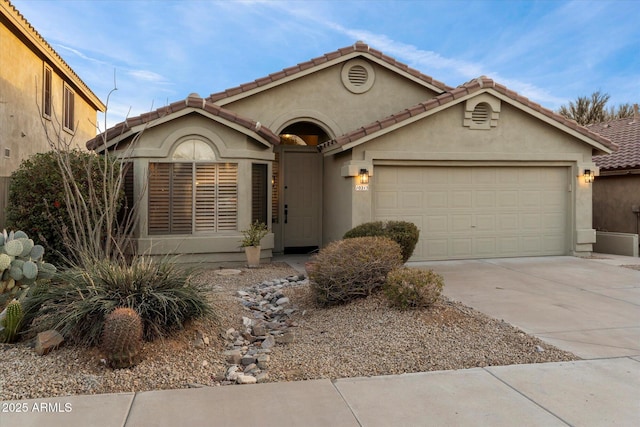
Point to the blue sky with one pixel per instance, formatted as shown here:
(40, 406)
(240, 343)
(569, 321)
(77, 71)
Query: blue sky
(161, 51)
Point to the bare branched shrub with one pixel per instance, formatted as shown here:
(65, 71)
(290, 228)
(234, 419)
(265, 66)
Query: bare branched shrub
(99, 221)
(353, 268)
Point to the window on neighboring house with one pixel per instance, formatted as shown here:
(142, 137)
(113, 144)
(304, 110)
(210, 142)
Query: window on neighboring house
(187, 197)
(259, 193)
(68, 109)
(46, 92)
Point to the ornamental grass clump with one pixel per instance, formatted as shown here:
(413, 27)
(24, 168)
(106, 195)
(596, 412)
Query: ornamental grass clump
(405, 233)
(78, 300)
(352, 268)
(408, 288)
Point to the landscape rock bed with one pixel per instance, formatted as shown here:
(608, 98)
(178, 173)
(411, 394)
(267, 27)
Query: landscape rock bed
(268, 322)
(362, 338)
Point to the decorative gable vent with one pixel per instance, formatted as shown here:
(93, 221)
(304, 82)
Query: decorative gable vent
(358, 76)
(482, 112)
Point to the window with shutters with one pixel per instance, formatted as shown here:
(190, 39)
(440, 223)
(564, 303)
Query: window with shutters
(68, 109)
(187, 197)
(46, 92)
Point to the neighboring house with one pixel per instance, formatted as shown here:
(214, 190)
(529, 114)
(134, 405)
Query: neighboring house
(616, 192)
(37, 89)
(355, 136)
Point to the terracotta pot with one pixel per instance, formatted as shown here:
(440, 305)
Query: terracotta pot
(253, 255)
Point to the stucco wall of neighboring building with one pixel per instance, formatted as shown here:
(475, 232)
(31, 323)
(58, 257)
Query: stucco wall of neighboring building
(21, 97)
(613, 199)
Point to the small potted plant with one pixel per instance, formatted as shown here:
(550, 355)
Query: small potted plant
(251, 242)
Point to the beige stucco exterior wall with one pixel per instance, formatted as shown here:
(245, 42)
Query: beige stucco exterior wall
(21, 121)
(156, 144)
(613, 199)
(321, 98)
(441, 139)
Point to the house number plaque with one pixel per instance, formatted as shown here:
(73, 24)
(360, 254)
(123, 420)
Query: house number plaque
(362, 187)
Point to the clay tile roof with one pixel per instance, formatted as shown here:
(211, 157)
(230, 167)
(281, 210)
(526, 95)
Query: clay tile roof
(192, 101)
(624, 132)
(357, 47)
(470, 87)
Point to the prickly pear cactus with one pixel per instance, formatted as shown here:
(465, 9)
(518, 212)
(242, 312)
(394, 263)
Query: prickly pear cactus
(122, 338)
(12, 321)
(21, 263)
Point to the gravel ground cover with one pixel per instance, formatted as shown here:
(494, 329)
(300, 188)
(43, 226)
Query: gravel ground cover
(362, 338)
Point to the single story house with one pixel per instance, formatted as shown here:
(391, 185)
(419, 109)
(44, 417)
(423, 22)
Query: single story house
(355, 136)
(616, 192)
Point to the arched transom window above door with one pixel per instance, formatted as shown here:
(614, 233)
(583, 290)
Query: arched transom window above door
(194, 149)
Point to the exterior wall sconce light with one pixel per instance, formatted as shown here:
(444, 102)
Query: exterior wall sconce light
(363, 176)
(588, 176)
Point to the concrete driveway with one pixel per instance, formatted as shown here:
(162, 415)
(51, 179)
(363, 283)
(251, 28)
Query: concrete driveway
(590, 307)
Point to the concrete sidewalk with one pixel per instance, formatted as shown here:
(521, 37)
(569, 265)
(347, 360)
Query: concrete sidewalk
(589, 307)
(584, 393)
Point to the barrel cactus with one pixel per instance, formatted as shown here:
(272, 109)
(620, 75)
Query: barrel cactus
(21, 263)
(122, 338)
(12, 320)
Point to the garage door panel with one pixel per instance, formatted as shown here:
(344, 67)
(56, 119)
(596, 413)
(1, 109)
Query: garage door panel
(484, 176)
(435, 200)
(437, 224)
(507, 246)
(461, 247)
(484, 199)
(386, 200)
(508, 221)
(461, 199)
(461, 223)
(411, 200)
(485, 223)
(507, 199)
(435, 248)
(461, 176)
(477, 212)
(530, 199)
(484, 246)
(530, 222)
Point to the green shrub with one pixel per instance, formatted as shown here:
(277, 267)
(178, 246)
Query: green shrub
(413, 288)
(406, 234)
(37, 201)
(78, 299)
(353, 268)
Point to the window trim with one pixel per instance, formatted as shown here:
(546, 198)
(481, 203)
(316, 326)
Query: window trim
(47, 94)
(68, 111)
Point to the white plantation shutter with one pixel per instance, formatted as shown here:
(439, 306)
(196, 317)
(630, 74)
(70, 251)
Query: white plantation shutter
(206, 197)
(174, 206)
(182, 198)
(227, 196)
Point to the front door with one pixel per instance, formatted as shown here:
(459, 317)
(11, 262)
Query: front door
(302, 200)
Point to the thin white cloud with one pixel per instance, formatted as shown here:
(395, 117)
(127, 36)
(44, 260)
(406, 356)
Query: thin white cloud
(148, 76)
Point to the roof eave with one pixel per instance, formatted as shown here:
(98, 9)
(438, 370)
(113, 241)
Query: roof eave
(257, 87)
(133, 130)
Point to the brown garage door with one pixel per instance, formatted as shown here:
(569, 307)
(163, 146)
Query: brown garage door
(477, 212)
